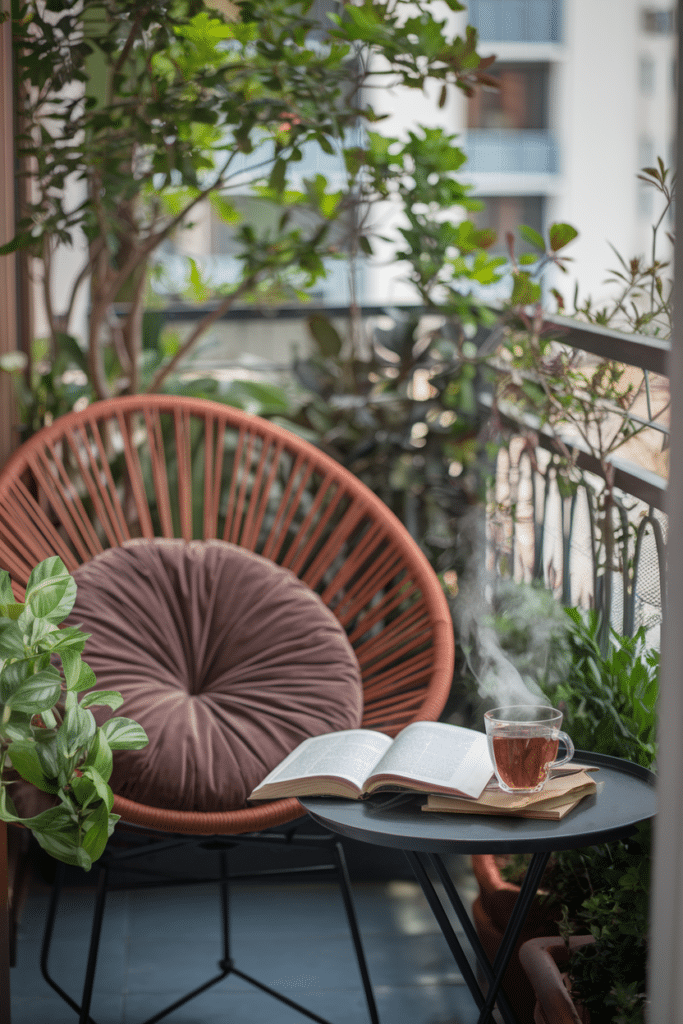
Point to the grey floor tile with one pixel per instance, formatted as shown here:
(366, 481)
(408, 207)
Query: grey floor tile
(225, 1004)
(415, 960)
(158, 943)
(428, 1004)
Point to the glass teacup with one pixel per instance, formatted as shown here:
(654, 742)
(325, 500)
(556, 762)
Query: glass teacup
(523, 743)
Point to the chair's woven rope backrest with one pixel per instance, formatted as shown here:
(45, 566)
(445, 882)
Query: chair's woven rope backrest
(151, 466)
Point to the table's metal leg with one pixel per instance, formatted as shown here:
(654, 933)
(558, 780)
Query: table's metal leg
(471, 935)
(416, 862)
(493, 973)
(521, 908)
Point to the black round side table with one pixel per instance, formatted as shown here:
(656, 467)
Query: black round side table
(626, 797)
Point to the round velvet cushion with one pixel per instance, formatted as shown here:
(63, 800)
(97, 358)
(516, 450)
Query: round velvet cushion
(227, 661)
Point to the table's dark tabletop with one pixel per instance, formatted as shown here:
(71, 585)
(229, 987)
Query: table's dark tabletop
(626, 798)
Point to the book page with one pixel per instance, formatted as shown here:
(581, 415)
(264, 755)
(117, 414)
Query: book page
(446, 757)
(350, 754)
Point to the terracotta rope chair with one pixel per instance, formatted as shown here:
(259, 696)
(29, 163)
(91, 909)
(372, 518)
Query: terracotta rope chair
(172, 467)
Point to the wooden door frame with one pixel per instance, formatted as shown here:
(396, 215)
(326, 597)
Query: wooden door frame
(8, 264)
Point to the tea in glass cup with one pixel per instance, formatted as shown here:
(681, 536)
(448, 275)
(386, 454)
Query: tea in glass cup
(523, 743)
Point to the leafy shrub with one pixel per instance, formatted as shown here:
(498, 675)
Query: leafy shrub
(609, 700)
(48, 735)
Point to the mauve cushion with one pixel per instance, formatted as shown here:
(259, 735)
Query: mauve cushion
(227, 660)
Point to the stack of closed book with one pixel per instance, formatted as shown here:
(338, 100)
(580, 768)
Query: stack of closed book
(559, 795)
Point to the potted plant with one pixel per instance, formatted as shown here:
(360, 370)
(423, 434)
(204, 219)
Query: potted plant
(49, 738)
(48, 735)
(545, 962)
(609, 703)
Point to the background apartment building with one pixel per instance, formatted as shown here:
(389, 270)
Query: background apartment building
(586, 100)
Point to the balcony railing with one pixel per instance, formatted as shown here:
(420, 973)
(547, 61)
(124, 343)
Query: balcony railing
(538, 529)
(505, 150)
(517, 21)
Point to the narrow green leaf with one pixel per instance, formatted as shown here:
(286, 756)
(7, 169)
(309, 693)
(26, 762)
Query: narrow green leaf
(95, 839)
(532, 237)
(80, 676)
(100, 756)
(276, 180)
(6, 592)
(39, 692)
(11, 639)
(325, 334)
(63, 845)
(78, 728)
(51, 590)
(11, 610)
(103, 791)
(524, 290)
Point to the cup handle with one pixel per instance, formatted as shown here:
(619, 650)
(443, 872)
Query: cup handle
(570, 750)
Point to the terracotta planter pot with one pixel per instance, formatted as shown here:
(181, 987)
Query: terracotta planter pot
(491, 911)
(543, 960)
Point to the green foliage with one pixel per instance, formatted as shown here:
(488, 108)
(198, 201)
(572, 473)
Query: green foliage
(399, 410)
(609, 699)
(609, 702)
(48, 736)
(579, 401)
(183, 107)
(643, 293)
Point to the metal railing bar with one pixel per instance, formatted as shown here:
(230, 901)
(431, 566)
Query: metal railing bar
(660, 545)
(648, 395)
(639, 350)
(641, 483)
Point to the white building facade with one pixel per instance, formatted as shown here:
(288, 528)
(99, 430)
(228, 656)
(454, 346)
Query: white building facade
(586, 100)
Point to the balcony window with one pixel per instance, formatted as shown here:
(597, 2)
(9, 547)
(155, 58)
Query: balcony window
(657, 22)
(520, 103)
(508, 127)
(517, 21)
(504, 214)
(646, 158)
(646, 75)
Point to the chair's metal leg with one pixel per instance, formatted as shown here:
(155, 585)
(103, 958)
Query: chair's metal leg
(225, 965)
(345, 886)
(47, 941)
(226, 962)
(186, 998)
(96, 932)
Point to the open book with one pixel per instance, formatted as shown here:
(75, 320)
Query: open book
(427, 757)
(559, 795)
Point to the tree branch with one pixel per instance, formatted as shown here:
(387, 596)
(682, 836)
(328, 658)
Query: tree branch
(199, 329)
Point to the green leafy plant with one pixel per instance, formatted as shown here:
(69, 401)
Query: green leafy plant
(160, 111)
(48, 735)
(609, 700)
